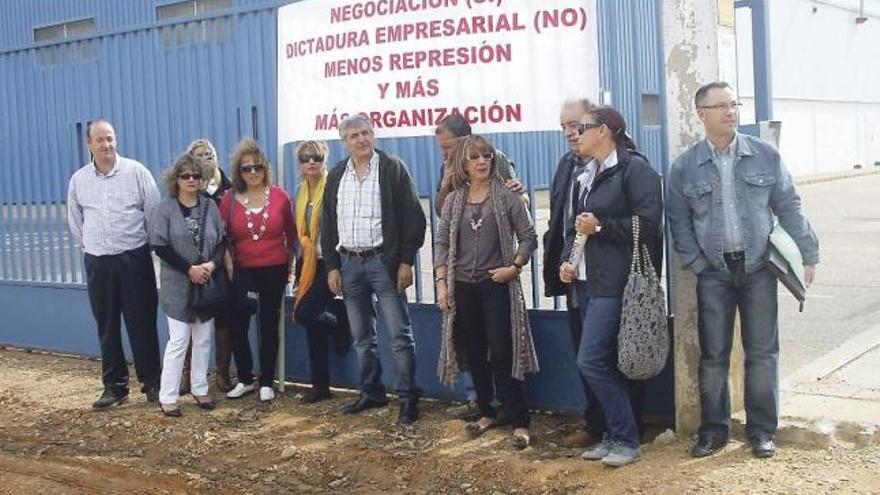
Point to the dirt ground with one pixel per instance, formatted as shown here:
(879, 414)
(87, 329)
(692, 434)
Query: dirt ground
(51, 442)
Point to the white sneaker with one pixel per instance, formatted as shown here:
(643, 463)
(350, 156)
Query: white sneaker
(266, 394)
(240, 390)
(598, 451)
(621, 455)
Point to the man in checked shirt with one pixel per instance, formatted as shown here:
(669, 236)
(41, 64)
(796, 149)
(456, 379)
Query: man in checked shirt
(109, 201)
(372, 227)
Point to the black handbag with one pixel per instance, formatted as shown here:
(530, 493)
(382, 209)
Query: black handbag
(211, 298)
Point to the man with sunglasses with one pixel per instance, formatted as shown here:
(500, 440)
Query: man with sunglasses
(722, 196)
(109, 202)
(372, 227)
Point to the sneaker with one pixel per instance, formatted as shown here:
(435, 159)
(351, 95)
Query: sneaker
(598, 451)
(240, 390)
(621, 455)
(266, 394)
(109, 399)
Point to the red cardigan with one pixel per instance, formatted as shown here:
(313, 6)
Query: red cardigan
(275, 244)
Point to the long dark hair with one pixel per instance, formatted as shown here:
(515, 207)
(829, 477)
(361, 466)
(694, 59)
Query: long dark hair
(615, 122)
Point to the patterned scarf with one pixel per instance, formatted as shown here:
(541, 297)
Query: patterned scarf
(308, 236)
(525, 360)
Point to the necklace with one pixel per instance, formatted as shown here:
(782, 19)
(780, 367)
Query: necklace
(249, 222)
(476, 219)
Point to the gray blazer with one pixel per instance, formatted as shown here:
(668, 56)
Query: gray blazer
(168, 228)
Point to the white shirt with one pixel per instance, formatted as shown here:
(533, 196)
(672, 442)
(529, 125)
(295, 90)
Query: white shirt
(109, 213)
(359, 207)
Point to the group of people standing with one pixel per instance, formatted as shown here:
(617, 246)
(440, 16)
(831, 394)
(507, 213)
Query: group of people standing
(353, 232)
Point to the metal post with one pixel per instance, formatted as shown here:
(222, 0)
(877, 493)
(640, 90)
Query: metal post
(281, 314)
(761, 60)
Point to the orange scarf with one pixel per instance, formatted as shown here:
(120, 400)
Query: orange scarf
(308, 236)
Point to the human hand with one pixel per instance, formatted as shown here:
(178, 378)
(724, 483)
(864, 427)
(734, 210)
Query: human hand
(442, 296)
(515, 186)
(586, 223)
(404, 276)
(503, 274)
(809, 274)
(334, 280)
(567, 273)
(198, 274)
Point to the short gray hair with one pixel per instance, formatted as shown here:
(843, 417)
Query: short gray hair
(586, 104)
(354, 121)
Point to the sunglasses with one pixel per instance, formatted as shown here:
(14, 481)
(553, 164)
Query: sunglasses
(485, 156)
(252, 169)
(189, 177)
(315, 157)
(582, 128)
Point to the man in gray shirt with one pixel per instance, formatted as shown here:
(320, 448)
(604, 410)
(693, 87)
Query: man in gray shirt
(722, 195)
(109, 201)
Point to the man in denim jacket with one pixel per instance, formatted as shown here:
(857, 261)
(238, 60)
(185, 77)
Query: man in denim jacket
(722, 195)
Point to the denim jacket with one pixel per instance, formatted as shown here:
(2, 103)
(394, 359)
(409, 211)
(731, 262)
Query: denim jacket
(764, 188)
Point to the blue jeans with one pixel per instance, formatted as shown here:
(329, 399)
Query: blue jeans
(597, 361)
(362, 279)
(719, 295)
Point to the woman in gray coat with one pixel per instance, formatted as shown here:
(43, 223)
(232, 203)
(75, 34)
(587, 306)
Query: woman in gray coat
(181, 224)
(484, 239)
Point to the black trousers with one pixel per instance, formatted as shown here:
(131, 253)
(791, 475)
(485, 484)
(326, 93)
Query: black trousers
(125, 284)
(269, 283)
(594, 418)
(324, 318)
(482, 329)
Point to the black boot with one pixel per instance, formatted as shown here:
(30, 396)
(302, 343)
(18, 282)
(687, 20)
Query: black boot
(409, 411)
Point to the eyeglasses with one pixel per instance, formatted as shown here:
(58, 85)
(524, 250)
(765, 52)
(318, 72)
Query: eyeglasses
(253, 169)
(734, 105)
(204, 155)
(189, 177)
(582, 128)
(315, 157)
(485, 156)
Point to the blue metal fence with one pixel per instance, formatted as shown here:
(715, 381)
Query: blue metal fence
(165, 83)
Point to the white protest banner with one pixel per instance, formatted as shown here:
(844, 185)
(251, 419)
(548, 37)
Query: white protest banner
(506, 65)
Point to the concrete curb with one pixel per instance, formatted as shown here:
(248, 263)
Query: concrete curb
(827, 177)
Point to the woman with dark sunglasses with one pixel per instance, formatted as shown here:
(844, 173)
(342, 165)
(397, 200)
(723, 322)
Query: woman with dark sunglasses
(315, 307)
(259, 221)
(186, 230)
(214, 186)
(616, 184)
(484, 239)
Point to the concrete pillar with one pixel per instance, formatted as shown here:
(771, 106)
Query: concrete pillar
(695, 53)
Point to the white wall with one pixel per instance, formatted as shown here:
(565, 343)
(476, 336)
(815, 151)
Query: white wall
(826, 82)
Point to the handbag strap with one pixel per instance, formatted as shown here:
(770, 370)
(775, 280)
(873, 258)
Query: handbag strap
(230, 240)
(203, 220)
(635, 265)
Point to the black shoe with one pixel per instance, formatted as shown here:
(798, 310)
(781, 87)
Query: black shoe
(152, 395)
(362, 404)
(109, 399)
(708, 444)
(409, 411)
(316, 394)
(763, 446)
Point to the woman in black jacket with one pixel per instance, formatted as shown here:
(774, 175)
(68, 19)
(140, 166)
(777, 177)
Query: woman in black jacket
(617, 184)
